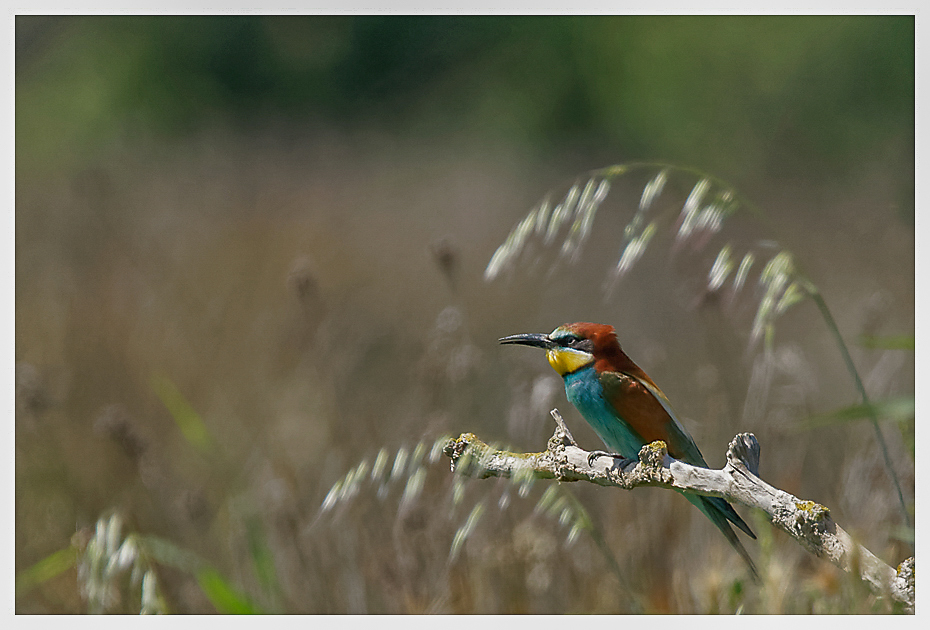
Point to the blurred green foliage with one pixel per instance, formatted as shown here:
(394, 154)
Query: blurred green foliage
(739, 95)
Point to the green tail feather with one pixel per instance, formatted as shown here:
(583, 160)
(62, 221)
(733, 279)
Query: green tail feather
(727, 510)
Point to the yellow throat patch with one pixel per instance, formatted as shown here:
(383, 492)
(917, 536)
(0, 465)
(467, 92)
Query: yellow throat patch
(566, 360)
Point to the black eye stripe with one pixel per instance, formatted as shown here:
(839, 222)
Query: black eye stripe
(576, 343)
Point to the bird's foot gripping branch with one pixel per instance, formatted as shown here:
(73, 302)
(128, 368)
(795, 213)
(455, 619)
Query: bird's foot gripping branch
(806, 521)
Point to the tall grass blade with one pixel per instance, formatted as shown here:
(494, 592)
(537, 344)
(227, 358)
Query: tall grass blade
(892, 342)
(45, 569)
(898, 409)
(226, 599)
(188, 420)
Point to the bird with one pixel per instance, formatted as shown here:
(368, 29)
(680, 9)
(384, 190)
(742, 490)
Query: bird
(626, 408)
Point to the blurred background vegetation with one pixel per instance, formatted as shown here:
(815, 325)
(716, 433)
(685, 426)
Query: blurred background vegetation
(249, 257)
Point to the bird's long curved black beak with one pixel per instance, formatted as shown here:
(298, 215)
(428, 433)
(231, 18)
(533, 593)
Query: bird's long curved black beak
(536, 340)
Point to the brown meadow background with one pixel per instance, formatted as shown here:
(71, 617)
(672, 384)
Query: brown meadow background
(250, 256)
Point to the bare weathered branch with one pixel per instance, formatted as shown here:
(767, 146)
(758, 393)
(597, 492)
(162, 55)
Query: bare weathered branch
(806, 521)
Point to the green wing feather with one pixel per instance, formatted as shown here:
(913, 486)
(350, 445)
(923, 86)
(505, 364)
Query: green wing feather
(644, 407)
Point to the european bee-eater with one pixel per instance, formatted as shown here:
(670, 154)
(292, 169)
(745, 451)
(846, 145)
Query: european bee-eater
(624, 407)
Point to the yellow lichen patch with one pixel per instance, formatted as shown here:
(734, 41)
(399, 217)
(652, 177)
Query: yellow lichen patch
(657, 447)
(653, 453)
(816, 511)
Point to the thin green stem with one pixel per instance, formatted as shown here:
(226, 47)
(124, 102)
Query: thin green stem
(873, 416)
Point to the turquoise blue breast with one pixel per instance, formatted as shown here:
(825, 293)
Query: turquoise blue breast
(584, 391)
